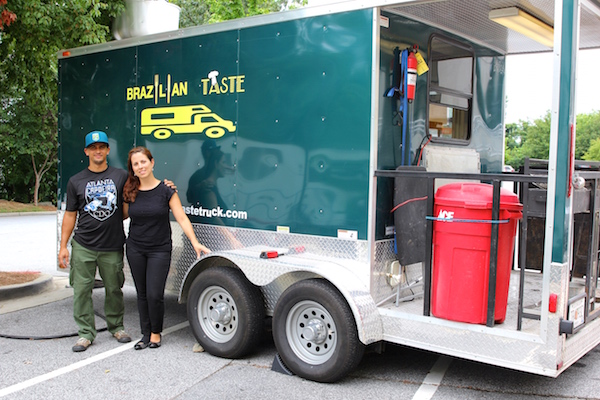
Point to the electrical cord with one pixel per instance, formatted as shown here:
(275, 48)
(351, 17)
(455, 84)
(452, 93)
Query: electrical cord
(408, 201)
(60, 336)
(417, 159)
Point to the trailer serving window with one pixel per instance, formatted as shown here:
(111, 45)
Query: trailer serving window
(450, 89)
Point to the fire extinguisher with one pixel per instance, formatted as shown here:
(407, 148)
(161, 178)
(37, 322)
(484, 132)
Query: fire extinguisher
(411, 76)
(404, 90)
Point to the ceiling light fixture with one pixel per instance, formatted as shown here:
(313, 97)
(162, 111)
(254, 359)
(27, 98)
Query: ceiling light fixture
(524, 23)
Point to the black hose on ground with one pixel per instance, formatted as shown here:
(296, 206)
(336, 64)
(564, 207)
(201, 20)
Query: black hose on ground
(60, 336)
(98, 284)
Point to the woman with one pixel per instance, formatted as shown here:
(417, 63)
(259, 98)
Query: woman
(147, 203)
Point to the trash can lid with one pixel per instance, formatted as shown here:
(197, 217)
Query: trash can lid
(476, 196)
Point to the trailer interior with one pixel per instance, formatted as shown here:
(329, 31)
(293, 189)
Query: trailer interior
(538, 278)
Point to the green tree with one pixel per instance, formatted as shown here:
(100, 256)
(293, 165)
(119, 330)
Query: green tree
(593, 153)
(28, 86)
(532, 140)
(513, 140)
(537, 138)
(588, 132)
(200, 12)
(527, 140)
(193, 12)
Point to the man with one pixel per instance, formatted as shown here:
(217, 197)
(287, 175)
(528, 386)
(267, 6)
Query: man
(95, 204)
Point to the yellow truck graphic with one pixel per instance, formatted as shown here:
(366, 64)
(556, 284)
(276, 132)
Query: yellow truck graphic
(162, 122)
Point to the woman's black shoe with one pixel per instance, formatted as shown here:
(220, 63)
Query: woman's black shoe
(155, 345)
(142, 344)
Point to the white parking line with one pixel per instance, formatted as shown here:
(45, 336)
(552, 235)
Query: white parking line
(433, 379)
(80, 364)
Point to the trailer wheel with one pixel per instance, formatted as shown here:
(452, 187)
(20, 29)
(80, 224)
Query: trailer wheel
(315, 332)
(225, 312)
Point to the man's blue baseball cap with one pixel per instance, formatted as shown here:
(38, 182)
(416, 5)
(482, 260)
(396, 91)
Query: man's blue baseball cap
(95, 137)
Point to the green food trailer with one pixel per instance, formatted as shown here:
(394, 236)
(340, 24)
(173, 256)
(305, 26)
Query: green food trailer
(307, 146)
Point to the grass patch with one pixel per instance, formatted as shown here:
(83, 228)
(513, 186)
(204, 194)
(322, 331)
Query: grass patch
(15, 207)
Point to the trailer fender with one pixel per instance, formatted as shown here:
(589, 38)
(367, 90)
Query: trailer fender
(366, 315)
(274, 276)
(196, 268)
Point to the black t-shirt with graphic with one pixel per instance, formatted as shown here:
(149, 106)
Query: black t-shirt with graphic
(98, 199)
(150, 228)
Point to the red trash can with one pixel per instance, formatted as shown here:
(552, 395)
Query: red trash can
(461, 251)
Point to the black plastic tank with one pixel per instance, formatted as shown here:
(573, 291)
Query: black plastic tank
(410, 222)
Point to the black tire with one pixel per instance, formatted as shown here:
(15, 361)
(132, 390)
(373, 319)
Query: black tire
(225, 312)
(315, 332)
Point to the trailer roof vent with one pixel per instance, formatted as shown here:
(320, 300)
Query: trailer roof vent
(146, 17)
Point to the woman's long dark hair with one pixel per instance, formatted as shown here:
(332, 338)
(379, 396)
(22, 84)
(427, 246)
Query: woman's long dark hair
(132, 185)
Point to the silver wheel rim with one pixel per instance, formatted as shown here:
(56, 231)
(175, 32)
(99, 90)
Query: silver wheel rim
(311, 332)
(218, 314)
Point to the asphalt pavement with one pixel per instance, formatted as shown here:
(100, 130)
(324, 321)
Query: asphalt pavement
(37, 332)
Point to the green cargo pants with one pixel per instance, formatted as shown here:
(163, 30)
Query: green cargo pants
(82, 276)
